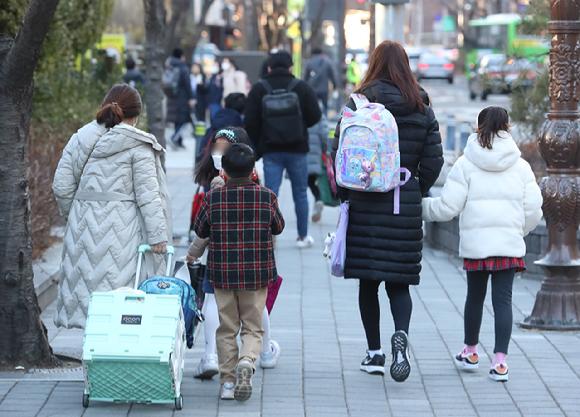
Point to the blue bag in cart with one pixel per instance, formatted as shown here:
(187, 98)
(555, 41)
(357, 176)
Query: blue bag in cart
(134, 343)
(171, 285)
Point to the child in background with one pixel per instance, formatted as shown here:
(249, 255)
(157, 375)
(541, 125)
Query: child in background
(240, 264)
(231, 115)
(499, 202)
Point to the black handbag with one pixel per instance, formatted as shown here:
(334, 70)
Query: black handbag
(196, 275)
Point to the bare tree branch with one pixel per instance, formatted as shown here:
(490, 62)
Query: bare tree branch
(201, 26)
(21, 61)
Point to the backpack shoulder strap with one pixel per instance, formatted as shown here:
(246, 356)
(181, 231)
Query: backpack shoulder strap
(292, 85)
(267, 86)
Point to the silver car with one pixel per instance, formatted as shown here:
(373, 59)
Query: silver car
(435, 67)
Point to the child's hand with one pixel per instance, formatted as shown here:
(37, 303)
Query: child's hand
(190, 259)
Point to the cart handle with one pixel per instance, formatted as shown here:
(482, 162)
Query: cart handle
(147, 248)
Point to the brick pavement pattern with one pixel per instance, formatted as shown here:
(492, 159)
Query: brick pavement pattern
(317, 324)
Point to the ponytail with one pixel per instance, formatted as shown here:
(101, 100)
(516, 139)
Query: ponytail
(490, 121)
(121, 102)
(110, 115)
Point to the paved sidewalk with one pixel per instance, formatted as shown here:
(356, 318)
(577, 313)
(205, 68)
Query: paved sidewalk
(317, 323)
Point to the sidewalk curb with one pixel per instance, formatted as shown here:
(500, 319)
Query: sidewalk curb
(46, 274)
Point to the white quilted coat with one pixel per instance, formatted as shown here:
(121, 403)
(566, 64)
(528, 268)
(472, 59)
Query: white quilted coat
(119, 202)
(497, 195)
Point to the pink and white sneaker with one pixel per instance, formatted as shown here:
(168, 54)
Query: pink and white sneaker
(499, 372)
(467, 360)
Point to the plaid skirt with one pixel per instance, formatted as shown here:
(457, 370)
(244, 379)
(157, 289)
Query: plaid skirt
(494, 263)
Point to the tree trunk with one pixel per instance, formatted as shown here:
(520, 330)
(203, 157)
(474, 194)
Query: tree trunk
(315, 27)
(24, 338)
(154, 57)
(175, 26)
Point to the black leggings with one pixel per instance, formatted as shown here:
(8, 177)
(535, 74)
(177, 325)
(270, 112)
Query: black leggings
(370, 312)
(313, 184)
(501, 296)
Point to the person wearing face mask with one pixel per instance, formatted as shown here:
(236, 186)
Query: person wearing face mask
(230, 115)
(235, 80)
(208, 174)
(198, 85)
(111, 188)
(215, 90)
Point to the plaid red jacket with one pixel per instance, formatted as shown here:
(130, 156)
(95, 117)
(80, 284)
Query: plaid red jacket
(240, 219)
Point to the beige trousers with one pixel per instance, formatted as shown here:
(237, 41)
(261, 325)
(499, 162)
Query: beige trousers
(249, 316)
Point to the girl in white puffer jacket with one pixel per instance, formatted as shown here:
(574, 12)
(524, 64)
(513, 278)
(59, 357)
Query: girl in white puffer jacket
(499, 202)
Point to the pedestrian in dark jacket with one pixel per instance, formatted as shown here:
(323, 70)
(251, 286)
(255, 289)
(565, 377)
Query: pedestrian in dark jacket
(319, 71)
(230, 115)
(279, 156)
(215, 90)
(318, 140)
(199, 87)
(179, 107)
(132, 76)
(239, 219)
(382, 246)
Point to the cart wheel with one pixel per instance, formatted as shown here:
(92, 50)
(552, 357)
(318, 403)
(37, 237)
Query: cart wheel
(85, 400)
(179, 402)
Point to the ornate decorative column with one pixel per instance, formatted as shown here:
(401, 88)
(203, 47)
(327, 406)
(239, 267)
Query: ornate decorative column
(557, 305)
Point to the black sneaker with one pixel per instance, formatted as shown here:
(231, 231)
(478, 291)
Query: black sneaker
(374, 365)
(401, 367)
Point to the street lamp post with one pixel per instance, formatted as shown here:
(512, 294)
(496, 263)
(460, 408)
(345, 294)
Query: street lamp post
(557, 305)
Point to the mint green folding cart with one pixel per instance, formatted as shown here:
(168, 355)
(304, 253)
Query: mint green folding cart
(134, 346)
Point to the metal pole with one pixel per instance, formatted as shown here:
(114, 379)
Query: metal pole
(390, 21)
(450, 144)
(557, 305)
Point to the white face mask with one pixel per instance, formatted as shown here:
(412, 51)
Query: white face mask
(214, 69)
(217, 161)
(226, 66)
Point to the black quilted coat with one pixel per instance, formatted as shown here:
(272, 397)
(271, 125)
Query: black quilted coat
(380, 245)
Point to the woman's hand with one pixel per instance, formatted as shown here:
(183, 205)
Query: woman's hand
(190, 259)
(160, 248)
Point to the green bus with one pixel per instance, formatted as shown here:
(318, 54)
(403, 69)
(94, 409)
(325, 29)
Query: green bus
(498, 34)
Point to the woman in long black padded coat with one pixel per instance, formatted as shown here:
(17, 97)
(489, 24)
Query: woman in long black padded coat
(382, 246)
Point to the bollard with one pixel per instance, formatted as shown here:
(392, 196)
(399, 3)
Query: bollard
(465, 132)
(199, 135)
(450, 144)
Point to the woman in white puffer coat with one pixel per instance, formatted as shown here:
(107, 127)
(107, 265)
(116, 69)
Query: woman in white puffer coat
(111, 188)
(499, 202)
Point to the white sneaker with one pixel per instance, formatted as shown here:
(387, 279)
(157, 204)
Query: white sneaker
(208, 367)
(227, 391)
(244, 374)
(317, 211)
(304, 242)
(269, 360)
(499, 372)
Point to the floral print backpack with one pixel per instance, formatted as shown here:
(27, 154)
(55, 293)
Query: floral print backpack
(368, 157)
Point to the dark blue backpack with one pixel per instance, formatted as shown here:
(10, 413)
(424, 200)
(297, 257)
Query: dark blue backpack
(175, 286)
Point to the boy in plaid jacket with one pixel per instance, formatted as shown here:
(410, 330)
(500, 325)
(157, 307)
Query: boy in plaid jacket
(239, 219)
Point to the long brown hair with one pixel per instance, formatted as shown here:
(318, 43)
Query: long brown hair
(205, 171)
(490, 121)
(121, 102)
(389, 61)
